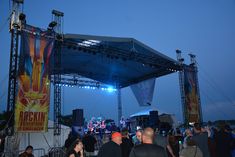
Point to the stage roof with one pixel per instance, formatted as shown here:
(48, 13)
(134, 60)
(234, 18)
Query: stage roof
(112, 60)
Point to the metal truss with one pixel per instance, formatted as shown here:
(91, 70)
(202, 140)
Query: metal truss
(15, 26)
(56, 25)
(79, 81)
(118, 53)
(181, 83)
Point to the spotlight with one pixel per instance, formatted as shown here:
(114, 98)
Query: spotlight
(22, 17)
(110, 89)
(52, 24)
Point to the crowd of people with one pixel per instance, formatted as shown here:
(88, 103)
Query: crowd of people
(192, 142)
(196, 141)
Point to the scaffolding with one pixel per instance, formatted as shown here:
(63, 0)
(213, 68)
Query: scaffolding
(16, 23)
(193, 68)
(181, 82)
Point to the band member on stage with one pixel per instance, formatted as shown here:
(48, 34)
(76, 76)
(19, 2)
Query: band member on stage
(122, 123)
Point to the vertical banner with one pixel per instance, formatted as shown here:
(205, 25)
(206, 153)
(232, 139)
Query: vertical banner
(192, 107)
(33, 93)
(143, 92)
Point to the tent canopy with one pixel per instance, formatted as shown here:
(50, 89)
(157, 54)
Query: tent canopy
(112, 60)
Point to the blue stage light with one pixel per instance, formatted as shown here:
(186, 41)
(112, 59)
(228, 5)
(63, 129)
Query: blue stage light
(110, 89)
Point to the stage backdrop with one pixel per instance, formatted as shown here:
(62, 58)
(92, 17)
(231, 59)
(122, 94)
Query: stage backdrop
(192, 107)
(33, 93)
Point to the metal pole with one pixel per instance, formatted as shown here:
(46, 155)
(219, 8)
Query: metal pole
(119, 105)
(28, 139)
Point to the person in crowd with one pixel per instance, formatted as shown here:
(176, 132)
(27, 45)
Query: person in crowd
(138, 137)
(122, 123)
(76, 149)
(179, 137)
(147, 148)
(106, 138)
(112, 148)
(28, 152)
(191, 149)
(211, 139)
(71, 138)
(127, 143)
(2, 143)
(172, 146)
(89, 142)
(188, 134)
(159, 139)
(201, 139)
(233, 143)
(224, 142)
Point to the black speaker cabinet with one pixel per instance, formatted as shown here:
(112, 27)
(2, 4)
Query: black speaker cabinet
(78, 119)
(153, 119)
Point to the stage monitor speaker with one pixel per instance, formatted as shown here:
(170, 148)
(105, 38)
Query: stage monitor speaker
(153, 119)
(78, 119)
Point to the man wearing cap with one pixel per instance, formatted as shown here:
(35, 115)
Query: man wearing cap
(147, 148)
(112, 148)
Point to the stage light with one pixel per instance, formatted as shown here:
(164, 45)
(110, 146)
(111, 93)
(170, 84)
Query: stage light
(59, 37)
(110, 89)
(181, 60)
(22, 17)
(52, 24)
(19, 1)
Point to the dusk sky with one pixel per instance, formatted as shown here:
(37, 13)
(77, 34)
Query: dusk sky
(205, 28)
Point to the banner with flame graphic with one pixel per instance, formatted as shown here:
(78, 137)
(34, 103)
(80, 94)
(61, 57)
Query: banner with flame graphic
(33, 92)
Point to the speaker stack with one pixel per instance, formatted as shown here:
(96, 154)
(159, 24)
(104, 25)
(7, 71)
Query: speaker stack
(78, 119)
(153, 119)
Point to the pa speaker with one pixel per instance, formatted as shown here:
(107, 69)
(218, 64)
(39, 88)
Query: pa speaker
(78, 117)
(153, 119)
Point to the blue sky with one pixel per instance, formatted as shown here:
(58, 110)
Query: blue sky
(205, 28)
